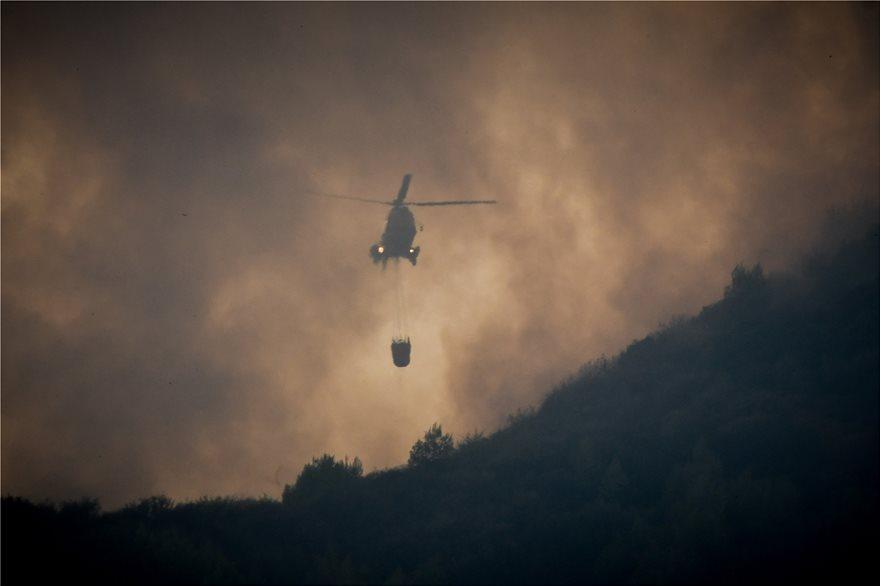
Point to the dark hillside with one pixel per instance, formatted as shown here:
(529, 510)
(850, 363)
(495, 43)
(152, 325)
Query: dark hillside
(740, 444)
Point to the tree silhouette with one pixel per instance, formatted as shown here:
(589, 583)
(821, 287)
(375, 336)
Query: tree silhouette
(323, 476)
(743, 280)
(434, 446)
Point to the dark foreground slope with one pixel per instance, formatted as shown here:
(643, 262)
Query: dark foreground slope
(738, 444)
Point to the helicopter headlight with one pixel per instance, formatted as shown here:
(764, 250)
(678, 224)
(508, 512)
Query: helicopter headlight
(381, 249)
(411, 250)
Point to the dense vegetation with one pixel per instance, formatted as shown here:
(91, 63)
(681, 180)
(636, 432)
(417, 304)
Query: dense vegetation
(738, 444)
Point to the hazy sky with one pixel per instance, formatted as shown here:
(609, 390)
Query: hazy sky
(179, 317)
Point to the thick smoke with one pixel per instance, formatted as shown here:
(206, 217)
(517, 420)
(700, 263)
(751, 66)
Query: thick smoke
(179, 317)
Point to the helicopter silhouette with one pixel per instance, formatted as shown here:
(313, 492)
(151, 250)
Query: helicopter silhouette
(400, 227)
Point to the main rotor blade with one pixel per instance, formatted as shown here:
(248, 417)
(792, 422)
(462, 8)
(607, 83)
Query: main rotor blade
(449, 203)
(351, 197)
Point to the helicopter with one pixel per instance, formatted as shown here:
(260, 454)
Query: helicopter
(400, 227)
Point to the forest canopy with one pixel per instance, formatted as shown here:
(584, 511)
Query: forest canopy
(738, 444)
